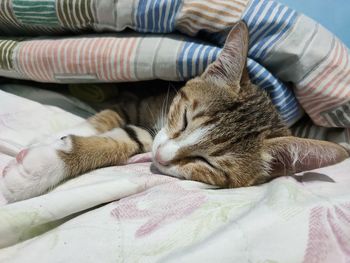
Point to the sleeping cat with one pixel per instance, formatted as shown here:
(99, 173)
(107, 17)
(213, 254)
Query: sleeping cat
(219, 129)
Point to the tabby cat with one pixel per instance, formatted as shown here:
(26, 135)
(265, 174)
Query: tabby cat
(219, 129)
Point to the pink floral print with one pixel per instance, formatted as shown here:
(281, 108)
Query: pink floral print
(329, 235)
(158, 206)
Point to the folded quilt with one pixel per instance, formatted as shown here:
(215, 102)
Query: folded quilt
(128, 214)
(300, 64)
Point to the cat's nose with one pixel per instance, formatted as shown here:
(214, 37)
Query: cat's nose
(159, 158)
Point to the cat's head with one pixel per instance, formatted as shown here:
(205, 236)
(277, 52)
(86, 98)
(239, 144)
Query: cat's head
(224, 131)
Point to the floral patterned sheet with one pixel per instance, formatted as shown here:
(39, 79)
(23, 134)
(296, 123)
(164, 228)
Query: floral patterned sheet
(129, 214)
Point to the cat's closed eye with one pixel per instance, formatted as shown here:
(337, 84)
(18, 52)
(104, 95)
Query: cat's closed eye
(203, 159)
(184, 121)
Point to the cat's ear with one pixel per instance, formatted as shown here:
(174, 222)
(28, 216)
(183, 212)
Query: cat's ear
(229, 68)
(286, 155)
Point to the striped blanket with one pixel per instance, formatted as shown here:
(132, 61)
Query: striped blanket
(298, 62)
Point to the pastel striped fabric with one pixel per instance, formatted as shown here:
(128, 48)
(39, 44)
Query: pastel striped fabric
(289, 45)
(285, 55)
(268, 21)
(110, 58)
(35, 12)
(75, 14)
(327, 90)
(194, 57)
(305, 128)
(28, 18)
(281, 95)
(209, 15)
(6, 52)
(156, 16)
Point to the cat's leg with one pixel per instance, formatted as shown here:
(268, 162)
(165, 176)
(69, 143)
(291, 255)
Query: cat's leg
(111, 148)
(39, 169)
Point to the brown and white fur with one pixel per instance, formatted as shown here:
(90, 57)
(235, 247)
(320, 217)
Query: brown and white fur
(220, 129)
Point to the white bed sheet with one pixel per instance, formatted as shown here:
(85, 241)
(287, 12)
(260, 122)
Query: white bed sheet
(128, 214)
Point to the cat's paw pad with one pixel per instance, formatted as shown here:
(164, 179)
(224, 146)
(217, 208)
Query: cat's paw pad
(34, 171)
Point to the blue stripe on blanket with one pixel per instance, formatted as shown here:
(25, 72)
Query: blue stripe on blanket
(194, 58)
(268, 22)
(281, 95)
(156, 16)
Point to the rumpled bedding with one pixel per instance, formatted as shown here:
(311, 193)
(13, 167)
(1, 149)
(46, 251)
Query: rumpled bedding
(129, 214)
(301, 65)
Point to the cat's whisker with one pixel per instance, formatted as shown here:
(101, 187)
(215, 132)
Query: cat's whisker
(151, 131)
(150, 111)
(166, 106)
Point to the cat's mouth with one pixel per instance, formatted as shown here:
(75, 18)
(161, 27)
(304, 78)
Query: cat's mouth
(168, 169)
(161, 167)
(155, 168)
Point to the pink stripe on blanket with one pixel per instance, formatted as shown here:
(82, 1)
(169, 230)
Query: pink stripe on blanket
(86, 57)
(333, 79)
(114, 59)
(104, 51)
(43, 60)
(328, 68)
(328, 229)
(329, 87)
(122, 58)
(25, 64)
(328, 103)
(133, 44)
(316, 104)
(71, 64)
(39, 72)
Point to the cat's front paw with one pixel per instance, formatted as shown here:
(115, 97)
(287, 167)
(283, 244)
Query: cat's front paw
(34, 171)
